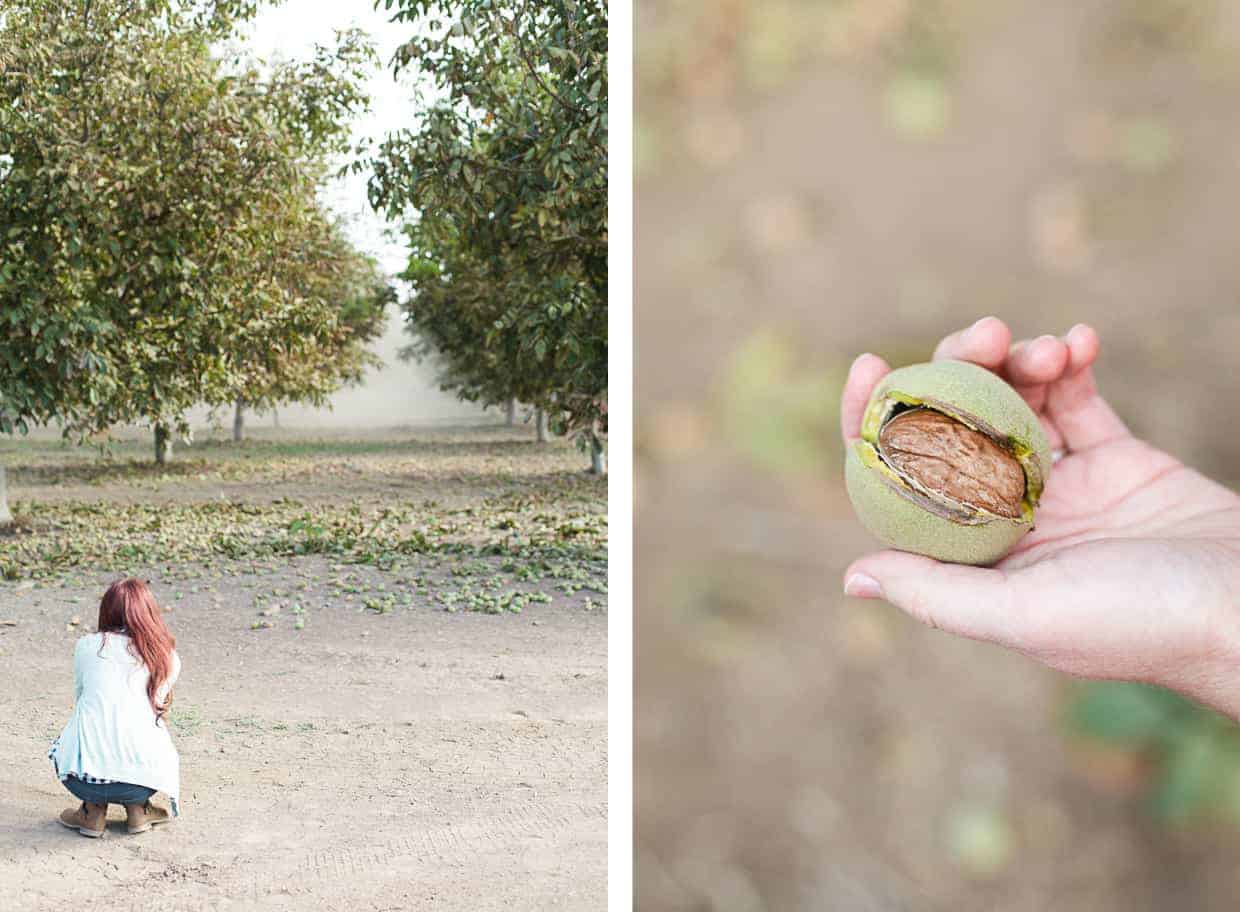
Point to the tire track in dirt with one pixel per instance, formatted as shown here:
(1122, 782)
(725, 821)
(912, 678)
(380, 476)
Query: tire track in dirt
(180, 888)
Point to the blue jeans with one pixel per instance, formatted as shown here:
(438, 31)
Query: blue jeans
(109, 793)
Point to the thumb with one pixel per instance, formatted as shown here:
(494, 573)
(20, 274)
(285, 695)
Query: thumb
(974, 602)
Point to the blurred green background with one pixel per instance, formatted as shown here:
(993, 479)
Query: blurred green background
(817, 179)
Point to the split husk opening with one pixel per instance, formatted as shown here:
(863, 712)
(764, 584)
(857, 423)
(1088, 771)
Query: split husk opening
(894, 403)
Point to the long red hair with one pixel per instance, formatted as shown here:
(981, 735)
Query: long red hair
(129, 607)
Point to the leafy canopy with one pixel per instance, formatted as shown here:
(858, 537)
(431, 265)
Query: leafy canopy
(161, 241)
(503, 186)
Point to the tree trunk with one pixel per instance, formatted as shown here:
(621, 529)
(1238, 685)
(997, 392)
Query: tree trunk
(512, 412)
(275, 418)
(239, 422)
(540, 423)
(5, 516)
(598, 455)
(163, 444)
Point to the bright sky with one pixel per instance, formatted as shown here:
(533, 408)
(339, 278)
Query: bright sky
(291, 30)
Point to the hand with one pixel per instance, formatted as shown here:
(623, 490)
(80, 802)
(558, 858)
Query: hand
(1133, 569)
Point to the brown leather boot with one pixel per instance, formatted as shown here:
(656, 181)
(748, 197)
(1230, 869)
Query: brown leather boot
(141, 817)
(88, 819)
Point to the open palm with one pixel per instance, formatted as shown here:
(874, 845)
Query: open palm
(1133, 569)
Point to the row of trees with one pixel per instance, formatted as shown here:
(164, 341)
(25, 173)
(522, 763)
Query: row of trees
(162, 243)
(161, 240)
(502, 186)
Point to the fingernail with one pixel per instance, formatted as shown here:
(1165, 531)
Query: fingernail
(1040, 340)
(860, 585)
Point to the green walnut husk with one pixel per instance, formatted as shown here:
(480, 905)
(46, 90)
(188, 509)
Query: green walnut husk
(910, 518)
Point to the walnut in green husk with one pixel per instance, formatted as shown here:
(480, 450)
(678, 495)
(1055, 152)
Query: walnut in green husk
(950, 464)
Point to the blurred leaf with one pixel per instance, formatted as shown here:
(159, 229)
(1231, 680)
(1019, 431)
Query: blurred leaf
(1190, 776)
(646, 148)
(778, 415)
(1147, 146)
(979, 839)
(1229, 776)
(1123, 713)
(917, 105)
(772, 45)
(1196, 752)
(726, 605)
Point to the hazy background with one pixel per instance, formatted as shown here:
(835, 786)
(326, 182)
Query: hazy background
(817, 179)
(400, 393)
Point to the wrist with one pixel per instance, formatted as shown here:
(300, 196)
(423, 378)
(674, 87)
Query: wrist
(1216, 679)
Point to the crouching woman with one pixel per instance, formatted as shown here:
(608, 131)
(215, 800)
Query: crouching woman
(116, 748)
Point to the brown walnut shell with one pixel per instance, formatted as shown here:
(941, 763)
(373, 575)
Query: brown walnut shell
(943, 456)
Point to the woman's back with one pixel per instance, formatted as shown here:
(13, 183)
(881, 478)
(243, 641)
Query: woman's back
(111, 682)
(114, 733)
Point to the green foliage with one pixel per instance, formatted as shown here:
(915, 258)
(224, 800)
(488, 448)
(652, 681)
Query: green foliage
(70, 535)
(337, 306)
(511, 515)
(521, 545)
(161, 243)
(507, 172)
(1195, 752)
(780, 413)
(1133, 715)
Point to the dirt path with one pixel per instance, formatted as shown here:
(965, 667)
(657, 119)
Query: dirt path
(417, 759)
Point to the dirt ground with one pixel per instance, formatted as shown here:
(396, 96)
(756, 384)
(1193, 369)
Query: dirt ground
(368, 750)
(816, 180)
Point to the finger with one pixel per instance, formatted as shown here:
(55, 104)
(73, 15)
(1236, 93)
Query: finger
(1036, 362)
(1032, 364)
(863, 376)
(1035, 396)
(985, 342)
(968, 601)
(1083, 347)
(1083, 417)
